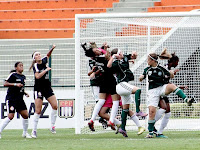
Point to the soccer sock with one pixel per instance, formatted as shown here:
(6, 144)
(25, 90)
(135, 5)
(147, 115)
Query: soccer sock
(114, 110)
(53, 117)
(97, 108)
(4, 123)
(117, 122)
(151, 125)
(159, 114)
(136, 120)
(25, 125)
(137, 100)
(164, 122)
(181, 94)
(124, 116)
(35, 121)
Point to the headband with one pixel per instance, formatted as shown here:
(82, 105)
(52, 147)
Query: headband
(35, 54)
(152, 58)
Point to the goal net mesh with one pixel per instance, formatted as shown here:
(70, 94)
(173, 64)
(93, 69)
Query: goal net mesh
(145, 35)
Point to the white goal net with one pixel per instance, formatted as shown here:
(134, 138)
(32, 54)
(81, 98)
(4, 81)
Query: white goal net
(144, 33)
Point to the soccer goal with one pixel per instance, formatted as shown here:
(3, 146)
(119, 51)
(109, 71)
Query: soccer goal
(179, 32)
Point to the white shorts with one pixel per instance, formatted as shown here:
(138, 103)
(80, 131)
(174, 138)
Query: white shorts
(95, 92)
(125, 90)
(153, 95)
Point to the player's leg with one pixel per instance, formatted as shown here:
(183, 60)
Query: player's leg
(160, 112)
(53, 102)
(11, 112)
(99, 104)
(114, 110)
(137, 93)
(164, 121)
(38, 108)
(173, 88)
(153, 98)
(137, 122)
(24, 114)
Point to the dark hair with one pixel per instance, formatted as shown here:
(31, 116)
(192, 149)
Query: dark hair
(173, 58)
(114, 51)
(88, 52)
(16, 64)
(154, 56)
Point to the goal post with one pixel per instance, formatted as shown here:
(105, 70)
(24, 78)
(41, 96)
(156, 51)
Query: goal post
(179, 32)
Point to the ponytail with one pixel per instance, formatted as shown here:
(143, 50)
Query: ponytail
(33, 62)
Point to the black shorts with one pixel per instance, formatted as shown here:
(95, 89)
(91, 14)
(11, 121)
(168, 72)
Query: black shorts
(109, 89)
(15, 105)
(45, 92)
(165, 98)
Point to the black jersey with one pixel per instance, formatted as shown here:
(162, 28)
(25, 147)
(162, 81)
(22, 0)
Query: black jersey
(121, 68)
(44, 80)
(14, 92)
(157, 76)
(98, 78)
(106, 73)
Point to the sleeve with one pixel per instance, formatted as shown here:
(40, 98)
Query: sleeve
(128, 56)
(44, 60)
(145, 72)
(35, 68)
(10, 78)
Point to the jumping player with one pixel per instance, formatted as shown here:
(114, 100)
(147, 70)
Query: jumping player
(119, 63)
(14, 98)
(42, 88)
(107, 85)
(158, 78)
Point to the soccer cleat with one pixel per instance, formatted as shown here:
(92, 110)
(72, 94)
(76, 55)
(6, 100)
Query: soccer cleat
(149, 135)
(123, 132)
(28, 136)
(34, 134)
(190, 101)
(118, 127)
(53, 130)
(91, 125)
(112, 125)
(141, 114)
(140, 130)
(161, 136)
(103, 122)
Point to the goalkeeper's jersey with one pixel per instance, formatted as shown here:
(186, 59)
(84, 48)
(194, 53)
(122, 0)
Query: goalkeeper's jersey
(157, 76)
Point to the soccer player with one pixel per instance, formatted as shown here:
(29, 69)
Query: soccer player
(107, 84)
(14, 98)
(42, 88)
(158, 78)
(119, 63)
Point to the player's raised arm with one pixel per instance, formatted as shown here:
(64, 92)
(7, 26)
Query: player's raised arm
(50, 51)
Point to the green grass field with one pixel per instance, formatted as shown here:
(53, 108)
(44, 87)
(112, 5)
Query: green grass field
(65, 139)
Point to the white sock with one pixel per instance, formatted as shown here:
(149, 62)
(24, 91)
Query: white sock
(159, 114)
(25, 125)
(116, 121)
(114, 110)
(53, 117)
(136, 120)
(35, 121)
(164, 122)
(97, 108)
(4, 123)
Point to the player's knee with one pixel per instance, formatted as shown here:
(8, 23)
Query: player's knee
(55, 107)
